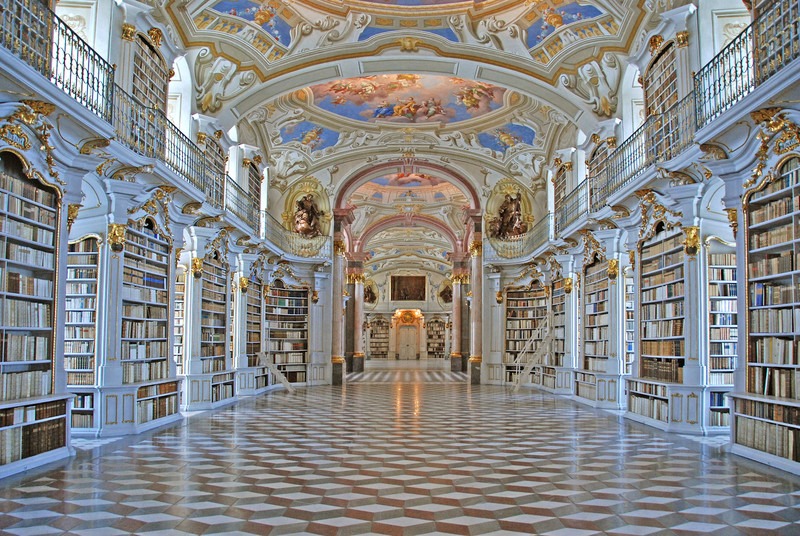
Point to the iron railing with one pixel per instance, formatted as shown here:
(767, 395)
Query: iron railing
(575, 204)
(241, 203)
(38, 37)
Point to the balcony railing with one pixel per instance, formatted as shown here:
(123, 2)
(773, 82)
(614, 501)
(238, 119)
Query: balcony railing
(240, 202)
(294, 243)
(576, 203)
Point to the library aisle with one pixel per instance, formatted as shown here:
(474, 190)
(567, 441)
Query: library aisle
(414, 458)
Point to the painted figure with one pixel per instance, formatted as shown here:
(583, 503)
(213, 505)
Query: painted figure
(307, 217)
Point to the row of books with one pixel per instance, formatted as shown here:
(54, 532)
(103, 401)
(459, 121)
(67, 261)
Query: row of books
(141, 310)
(718, 398)
(662, 246)
(723, 306)
(652, 408)
(81, 362)
(82, 259)
(523, 324)
(774, 209)
(82, 289)
(772, 294)
(222, 391)
(661, 310)
(773, 264)
(647, 388)
(769, 411)
(17, 283)
(768, 437)
(29, 256)
(214, 297)
(144, 371)
(596, 333)
(719, 418)
(146, 235)
(520, 302)
(142, 294)
(722, 363)
(146, 253)
(288, 293)
(774, 320)
(27, 190)
(212, 350)
(282, 313)
(79, 317)
(662, 370)
(771, 381)
(158, 389)
(663, 261)
(774, 350)
(80, 378)
(136, 276)
(143, 329)
(36, 438)
(721, 259)
(526, 313)
(134, 350)
(216, 364)
(676, 274)
(724, 333)
(28, 232)
(653, 329)
(210, 334)
(25, 384)
(278, 346)
(293, 358)
(723, 290)
(156, 408)
(19, 313)
(74, 303)
(78, 332)
(664, 292)
(31, 413)
(21, 347)
(82, 420)
(772, 236)
(720, 378)
(595, 364)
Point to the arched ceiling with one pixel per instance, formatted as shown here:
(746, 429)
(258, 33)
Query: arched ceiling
(343, 91)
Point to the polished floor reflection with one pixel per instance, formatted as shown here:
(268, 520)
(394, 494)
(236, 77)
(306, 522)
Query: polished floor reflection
(404, 458)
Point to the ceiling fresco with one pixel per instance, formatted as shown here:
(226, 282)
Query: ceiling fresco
(552, 18)
(447, 33)
(260, 13)
(504, 138)
(408, 98)
(407, 180)
(309, 135)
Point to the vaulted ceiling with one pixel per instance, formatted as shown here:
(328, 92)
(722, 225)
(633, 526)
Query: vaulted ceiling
(408, 110)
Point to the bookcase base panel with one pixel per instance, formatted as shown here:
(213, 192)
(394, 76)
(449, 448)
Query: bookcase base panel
(560, 383)
(767, 459)
(604, 393)
(678, 408)
(253, 381)
(33, 462)
(494, 374)
(199, 392)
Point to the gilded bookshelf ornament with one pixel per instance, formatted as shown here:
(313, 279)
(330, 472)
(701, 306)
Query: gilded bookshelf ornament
(613, 270)
(116, 236)
(691, 244)
(197, 267)
(128, 31)
(314, 296)
(243, 284)
(498, 297)
(682, 39)
(611, 141)
(632, 258)
(596, 138)
(568, 285)
(655, 43)
(72, 214)
(155, 36)
(257, 159)
(192, 207)
(201, 138)
(733, 219)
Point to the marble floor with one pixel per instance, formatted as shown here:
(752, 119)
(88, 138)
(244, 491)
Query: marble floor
(408, 455)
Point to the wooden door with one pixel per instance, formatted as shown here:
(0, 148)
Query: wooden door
(407, 343)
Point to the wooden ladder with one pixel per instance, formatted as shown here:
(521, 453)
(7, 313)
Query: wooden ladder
(281, 377)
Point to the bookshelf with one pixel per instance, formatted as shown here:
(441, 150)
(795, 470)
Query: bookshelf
(436, 335)
(767, 413)
(379, 338)
(33, 417)
(558, 365)
(254, 332)
(595, 329)
(526, 314)
(723, 332)
(214, 315)
(79, 330)
(179, 319)
(144, 344)
(630, 322)
(287, 329)
(661, 321)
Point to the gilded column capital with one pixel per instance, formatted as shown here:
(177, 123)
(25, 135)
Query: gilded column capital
(475, 359)
(339, 248)
(337, 360)
(116, 236)
(476, 248)
(128, 31)
(733, 219)
(353, 278)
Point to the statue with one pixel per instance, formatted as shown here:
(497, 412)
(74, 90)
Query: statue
(307, 217)
(509, 222)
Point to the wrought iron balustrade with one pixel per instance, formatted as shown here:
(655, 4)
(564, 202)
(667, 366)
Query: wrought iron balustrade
(241, 203)
(37, 36)
(575, 205)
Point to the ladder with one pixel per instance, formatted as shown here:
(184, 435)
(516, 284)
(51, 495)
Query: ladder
(264, 358)
(537, 357)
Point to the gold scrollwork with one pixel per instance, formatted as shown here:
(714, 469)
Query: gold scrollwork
(201, 138)
(655, 43)
(476, 248)
(353, 278)
(409, 44)
(611, 141)
(682, 39)
(498, 296)
(155, 36)
(339, 248)
(632, 258)
(116, 236)
(72, 214)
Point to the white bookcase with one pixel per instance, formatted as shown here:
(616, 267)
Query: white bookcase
(526, 316)
(80, 335)
(766, 423)
(287, 329)
(379, 338)
(214, 316)
(436, 338)
(596, 329)
(33, 415)
(723, 333)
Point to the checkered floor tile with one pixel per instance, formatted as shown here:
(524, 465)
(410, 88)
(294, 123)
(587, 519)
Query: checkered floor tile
(408, 457)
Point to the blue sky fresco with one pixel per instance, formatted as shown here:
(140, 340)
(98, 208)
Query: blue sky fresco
(503, 138)
(447, 33)
(264, 15)
(408, 98)
(310, 135)
(572, 12)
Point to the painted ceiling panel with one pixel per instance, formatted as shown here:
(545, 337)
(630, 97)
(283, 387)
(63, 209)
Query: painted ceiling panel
(408, 98)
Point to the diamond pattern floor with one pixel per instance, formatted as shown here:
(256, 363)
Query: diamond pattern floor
(403, 458)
